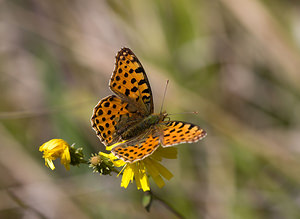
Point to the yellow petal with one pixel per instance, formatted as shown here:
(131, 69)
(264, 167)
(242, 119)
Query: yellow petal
(56, 148)
(144, 178)
(136, 175)
(108, 148)
(140, 176)
(154, 173)
(49, 163)
(66, 159)
(119, 163)
(163, 171)
(127, 176)
(169, 153)
(116, 161)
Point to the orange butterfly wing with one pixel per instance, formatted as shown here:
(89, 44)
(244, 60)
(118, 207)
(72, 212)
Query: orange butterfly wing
(114, 114)
(165, 133)
(129, 81)
(177, 132)
(111, 117)
(137, 149)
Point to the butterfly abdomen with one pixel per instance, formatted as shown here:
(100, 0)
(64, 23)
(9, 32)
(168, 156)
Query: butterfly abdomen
(142, 126)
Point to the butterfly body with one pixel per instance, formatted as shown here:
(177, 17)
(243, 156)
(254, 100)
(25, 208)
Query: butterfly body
(126, 120)
(141, 127)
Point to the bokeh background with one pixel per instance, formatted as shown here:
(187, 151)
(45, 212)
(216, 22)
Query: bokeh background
(236, 62)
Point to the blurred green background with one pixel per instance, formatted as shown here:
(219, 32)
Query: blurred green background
(236, 62)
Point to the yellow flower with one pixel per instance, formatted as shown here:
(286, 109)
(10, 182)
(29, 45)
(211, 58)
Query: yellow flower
(140, 170)
(56, 148)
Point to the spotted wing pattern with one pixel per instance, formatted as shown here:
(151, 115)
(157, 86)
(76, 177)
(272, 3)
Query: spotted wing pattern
(111, 117)
(176, 132)
(129, 81)
(166, 133)
(114, 115)
(133, 151)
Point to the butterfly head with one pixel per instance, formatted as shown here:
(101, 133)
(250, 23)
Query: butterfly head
(164, 116)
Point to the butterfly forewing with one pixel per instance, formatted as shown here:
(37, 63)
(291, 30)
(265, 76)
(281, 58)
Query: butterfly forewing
(176, 132)
(130, 82)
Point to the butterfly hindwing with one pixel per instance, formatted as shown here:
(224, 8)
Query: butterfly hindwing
(165, 134)
(130, 82)
(135, 150)
(111, 117)
(176, 132)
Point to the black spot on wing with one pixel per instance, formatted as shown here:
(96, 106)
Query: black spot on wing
(141, 82)
(182, 124)
(139, 70)
(146, 91)
(134, 89)
(145, 97)
(100, 112)
(191, 126)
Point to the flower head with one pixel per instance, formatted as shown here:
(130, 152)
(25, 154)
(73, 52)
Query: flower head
(102, 164)
(150, 166)
(56, 148)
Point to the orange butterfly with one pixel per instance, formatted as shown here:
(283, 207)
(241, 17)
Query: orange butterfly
(128, 118)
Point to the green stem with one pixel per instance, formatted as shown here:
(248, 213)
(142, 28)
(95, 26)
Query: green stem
(167, 205)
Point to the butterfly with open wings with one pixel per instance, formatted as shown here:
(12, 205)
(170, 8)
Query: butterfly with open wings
(126, 120)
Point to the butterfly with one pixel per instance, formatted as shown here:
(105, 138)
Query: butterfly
(126, 120)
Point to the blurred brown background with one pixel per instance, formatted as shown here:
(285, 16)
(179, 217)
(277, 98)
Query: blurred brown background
(235, 62)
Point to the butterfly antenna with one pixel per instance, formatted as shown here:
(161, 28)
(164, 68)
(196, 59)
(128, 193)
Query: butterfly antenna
(163, 100)
(195, 112)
